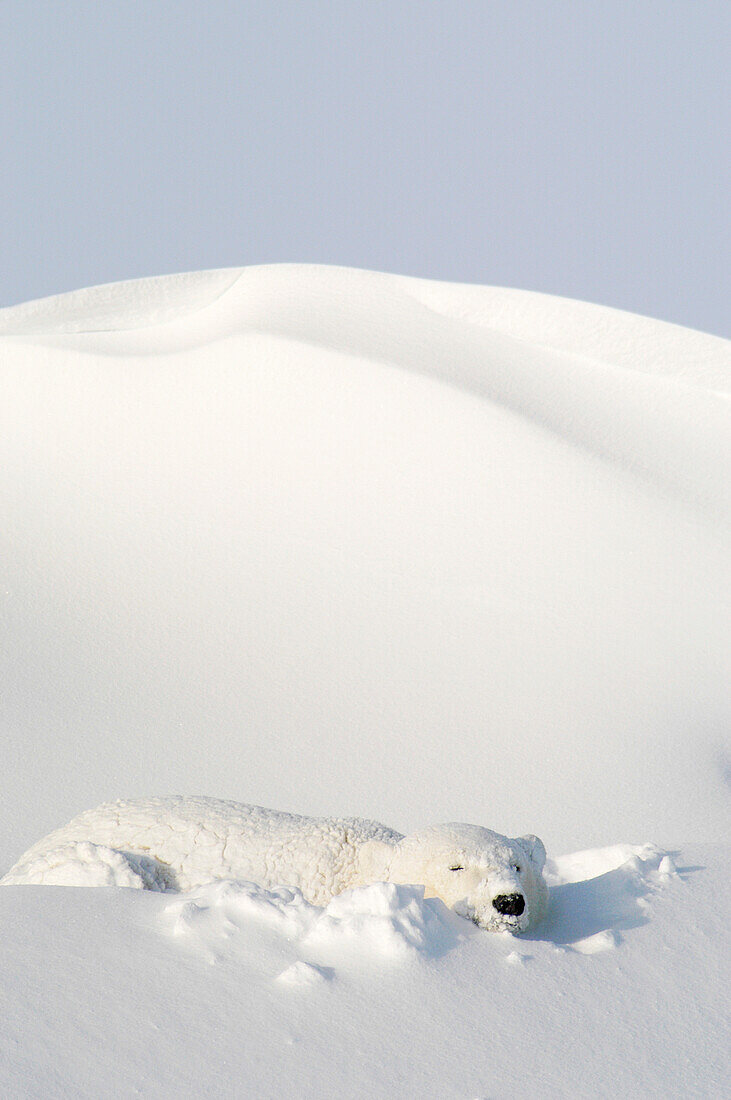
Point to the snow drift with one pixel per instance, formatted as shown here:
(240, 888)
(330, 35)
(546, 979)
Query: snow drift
(240, 991)
(360, 544)
(290, 534)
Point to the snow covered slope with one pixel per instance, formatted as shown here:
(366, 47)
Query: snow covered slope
(355, 544)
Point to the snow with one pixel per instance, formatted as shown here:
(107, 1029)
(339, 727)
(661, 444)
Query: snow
(382, 919)
(623, 993)
(353, 544)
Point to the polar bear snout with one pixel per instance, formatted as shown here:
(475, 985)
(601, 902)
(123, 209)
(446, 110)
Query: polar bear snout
(509, 905)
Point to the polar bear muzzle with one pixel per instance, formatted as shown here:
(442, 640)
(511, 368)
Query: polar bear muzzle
(509, 905)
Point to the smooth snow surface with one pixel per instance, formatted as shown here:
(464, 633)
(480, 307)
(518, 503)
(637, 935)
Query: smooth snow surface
(292, 534)
(360, 545)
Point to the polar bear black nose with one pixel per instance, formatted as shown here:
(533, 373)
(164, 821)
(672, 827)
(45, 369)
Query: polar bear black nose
(510, 905)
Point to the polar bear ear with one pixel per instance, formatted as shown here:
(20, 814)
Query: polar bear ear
(533, 848)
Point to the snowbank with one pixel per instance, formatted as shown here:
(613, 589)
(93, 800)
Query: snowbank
(342, 528)
(383, 919)
(240, 991)
(595, 895)
(358, 544)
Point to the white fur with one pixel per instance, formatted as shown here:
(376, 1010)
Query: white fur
(181, 843)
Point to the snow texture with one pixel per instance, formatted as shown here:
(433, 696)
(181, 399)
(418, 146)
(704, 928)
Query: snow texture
(243, 991)
(362, 544)
(383, 919)
(181, 843)
(355, 543)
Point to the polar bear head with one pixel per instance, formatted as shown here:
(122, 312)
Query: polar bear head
(491, 879)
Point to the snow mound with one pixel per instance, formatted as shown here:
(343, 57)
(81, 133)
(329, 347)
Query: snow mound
(459, 529)
(644, 858)
(119, 985)
(599, 893)
(596, 896)
(352, 542)
(382, 919)
(117, 307)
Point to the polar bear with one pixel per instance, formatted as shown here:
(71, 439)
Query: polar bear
(181, 843)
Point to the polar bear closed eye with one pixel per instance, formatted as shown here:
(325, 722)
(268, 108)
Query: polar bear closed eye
(180, 843)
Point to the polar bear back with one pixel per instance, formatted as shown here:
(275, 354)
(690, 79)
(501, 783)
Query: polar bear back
(197, 840)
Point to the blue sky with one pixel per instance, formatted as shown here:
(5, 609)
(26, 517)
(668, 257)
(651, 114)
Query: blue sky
(575, 148)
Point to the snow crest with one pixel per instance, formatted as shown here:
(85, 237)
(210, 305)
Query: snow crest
(382, 919)
(597, 896)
